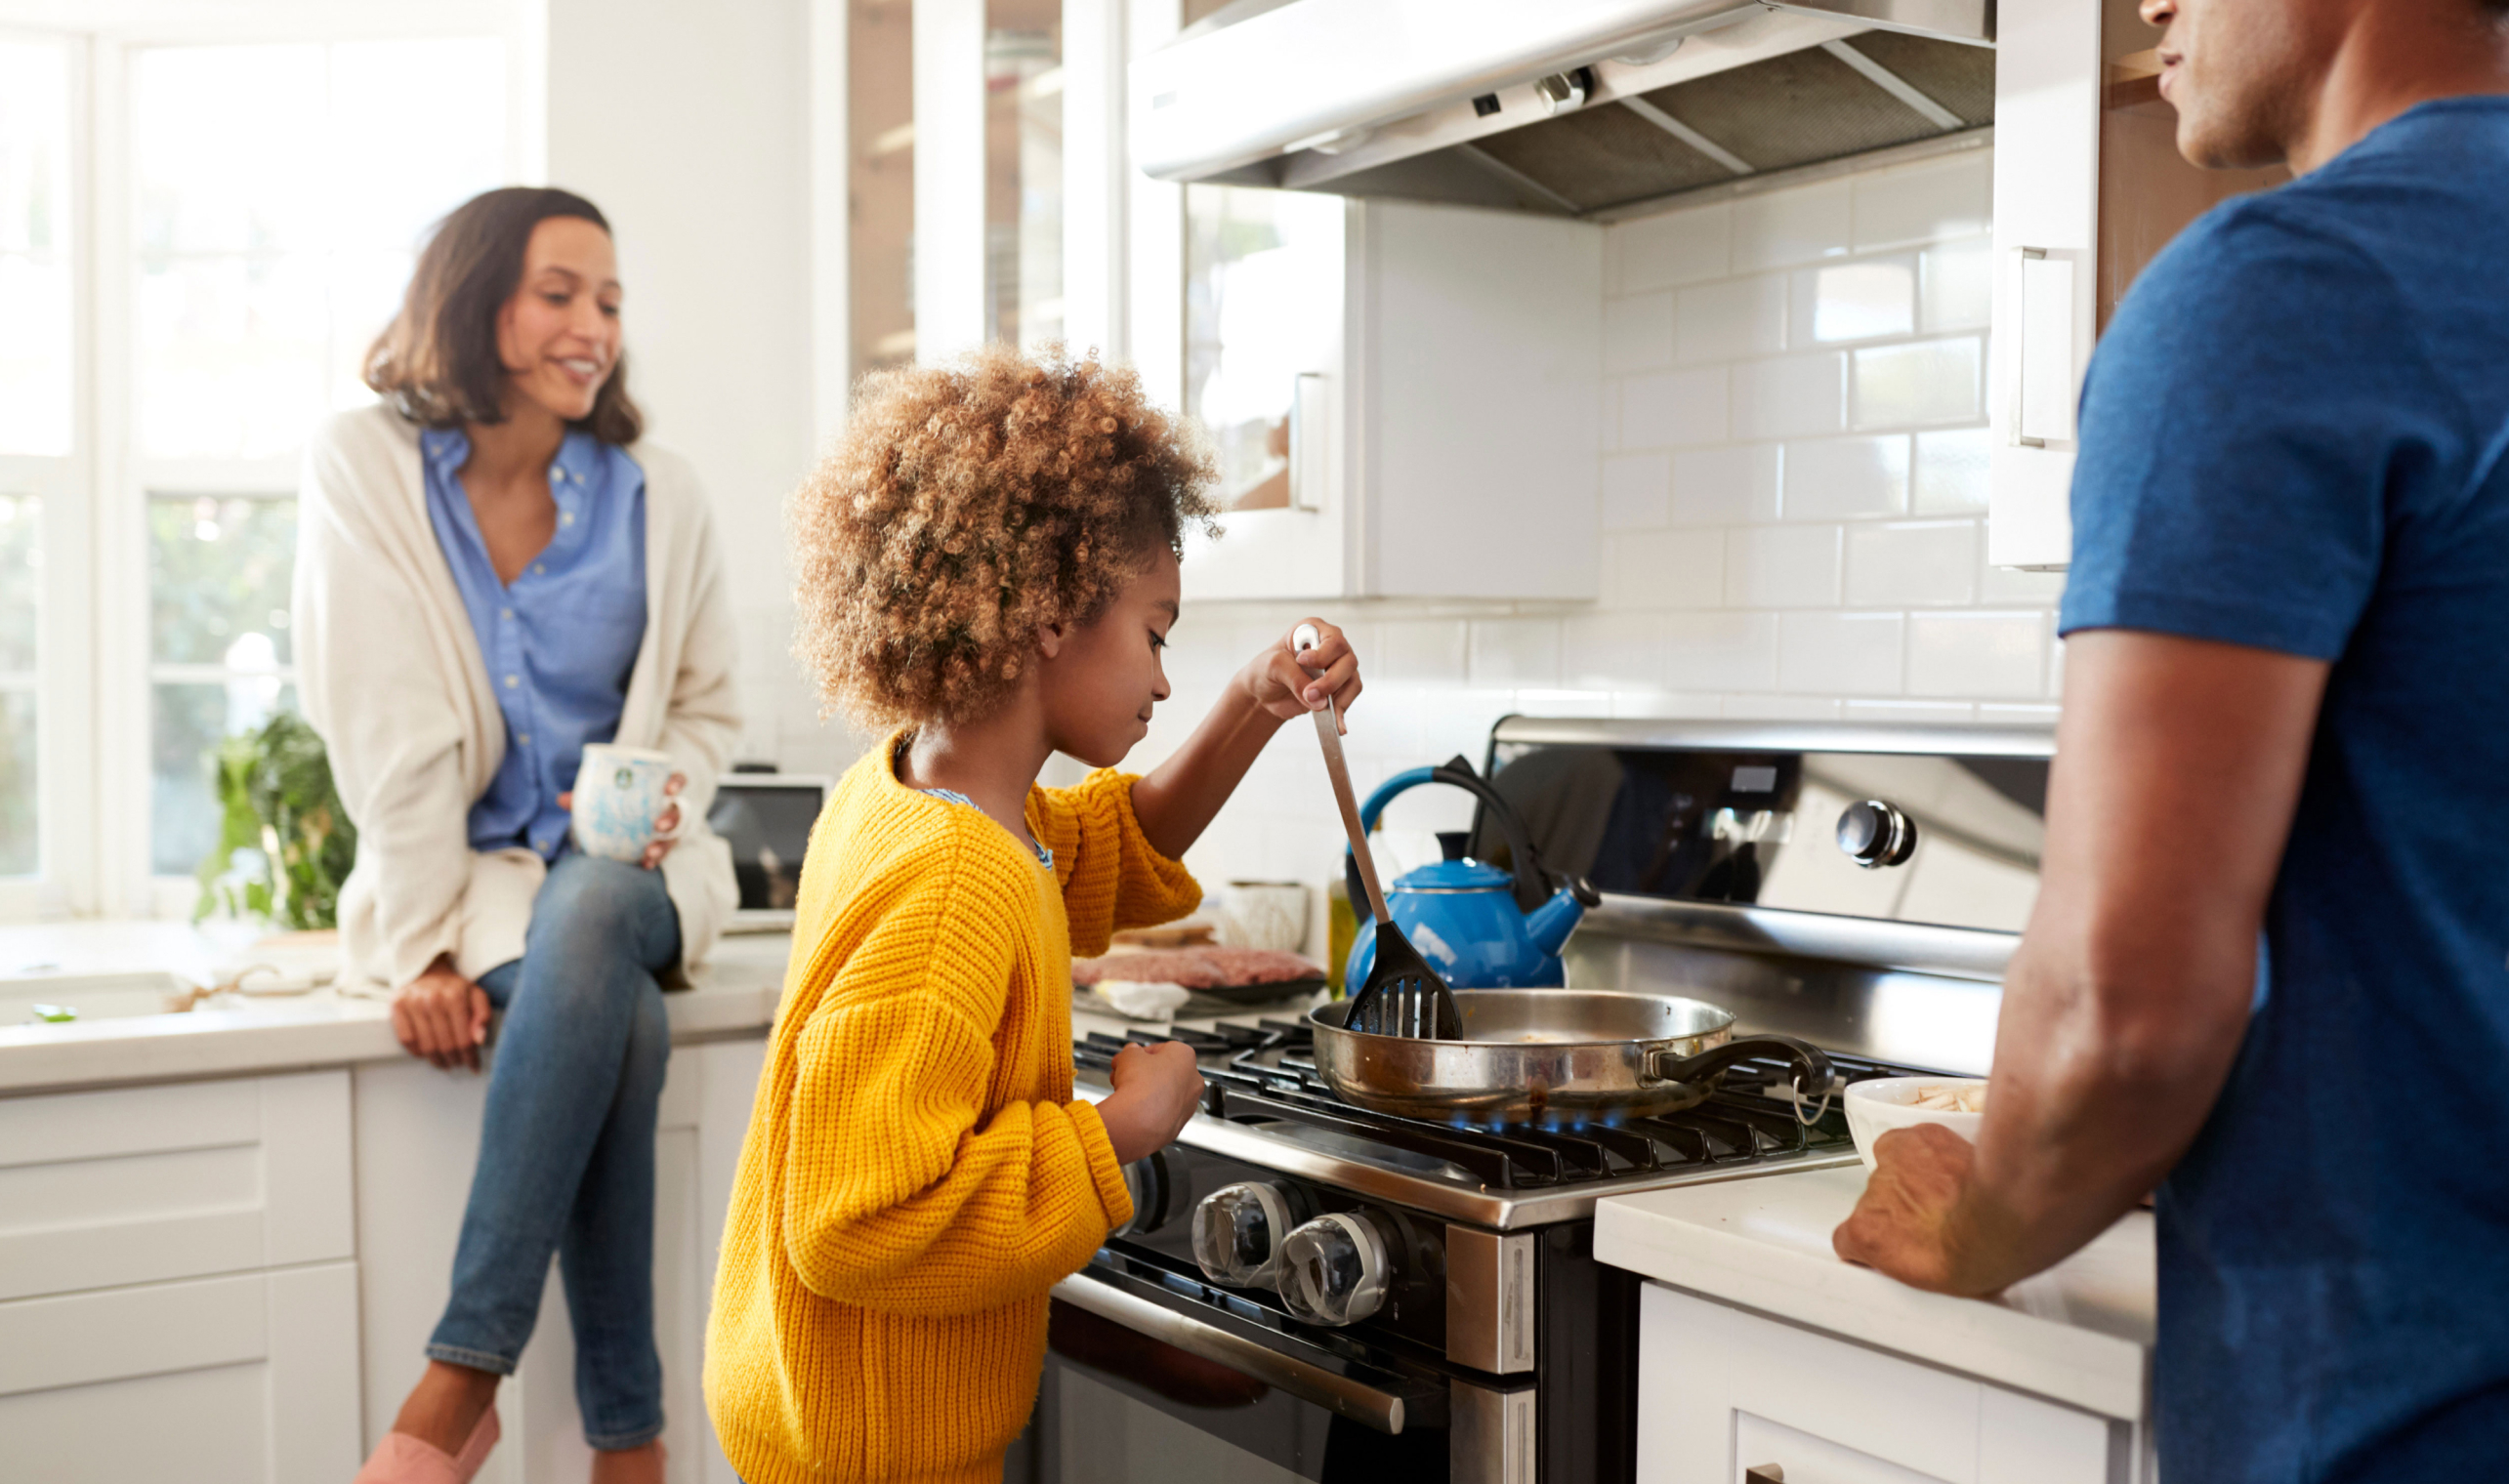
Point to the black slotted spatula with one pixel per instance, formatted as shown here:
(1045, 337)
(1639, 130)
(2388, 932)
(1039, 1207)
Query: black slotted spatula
(1402, 996)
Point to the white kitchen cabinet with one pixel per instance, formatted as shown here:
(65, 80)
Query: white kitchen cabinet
(180, 1300)
(1724, 1392)
(2089, 187)
(417, 1142)
(1404, 396)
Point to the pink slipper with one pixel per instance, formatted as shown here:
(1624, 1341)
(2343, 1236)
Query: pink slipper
(400, 1459)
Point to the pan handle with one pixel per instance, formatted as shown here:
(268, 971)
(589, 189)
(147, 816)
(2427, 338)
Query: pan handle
(1812, 1069)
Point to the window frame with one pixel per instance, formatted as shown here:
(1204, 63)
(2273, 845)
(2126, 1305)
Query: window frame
(95, 724)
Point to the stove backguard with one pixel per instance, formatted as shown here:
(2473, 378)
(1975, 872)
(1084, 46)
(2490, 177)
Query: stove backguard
(1859, 886)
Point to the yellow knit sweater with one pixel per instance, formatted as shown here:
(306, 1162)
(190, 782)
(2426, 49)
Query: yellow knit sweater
(917, 1176)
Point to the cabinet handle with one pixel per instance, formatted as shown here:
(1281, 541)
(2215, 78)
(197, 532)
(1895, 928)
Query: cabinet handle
(2042, 354)
(1306, 442)
(1766, 1473)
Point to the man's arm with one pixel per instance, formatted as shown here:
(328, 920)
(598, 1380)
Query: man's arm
(2179, 763)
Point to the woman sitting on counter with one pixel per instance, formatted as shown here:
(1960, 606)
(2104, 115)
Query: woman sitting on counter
(492, 574)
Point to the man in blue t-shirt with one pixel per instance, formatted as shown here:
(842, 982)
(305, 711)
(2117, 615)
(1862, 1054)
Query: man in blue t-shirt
(2270, 959)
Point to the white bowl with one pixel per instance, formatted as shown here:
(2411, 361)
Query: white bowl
(1876, 1106)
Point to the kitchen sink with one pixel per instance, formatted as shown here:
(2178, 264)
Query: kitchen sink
(90, 996)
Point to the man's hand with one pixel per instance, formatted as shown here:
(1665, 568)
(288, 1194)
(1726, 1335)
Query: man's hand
(1285, 683)
(1904, 1225)
(1158, 1089)
(441, 1017)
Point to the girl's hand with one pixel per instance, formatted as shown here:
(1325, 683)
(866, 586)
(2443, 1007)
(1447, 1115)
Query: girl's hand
(1158, 1089)
(441, 1017)
(1279, 681)
(665, 824)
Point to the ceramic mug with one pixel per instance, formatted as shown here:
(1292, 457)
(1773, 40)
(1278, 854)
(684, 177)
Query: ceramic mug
(1265, 915)
(619, 797)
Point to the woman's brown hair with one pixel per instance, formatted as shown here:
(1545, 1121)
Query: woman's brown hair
(437, 363)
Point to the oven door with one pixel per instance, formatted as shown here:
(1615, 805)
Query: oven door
(1148, 1381)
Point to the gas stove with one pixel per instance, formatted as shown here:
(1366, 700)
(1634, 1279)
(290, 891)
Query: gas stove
(1346, 1294)
(1265, 1102)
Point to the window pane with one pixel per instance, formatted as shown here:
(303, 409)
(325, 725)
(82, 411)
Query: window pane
(191, 721)
(1024, 171)
(230, 354)
(219, 574)
(276, 232)
(36, 213)
(21, 560)
(880, 109)
(18, 855)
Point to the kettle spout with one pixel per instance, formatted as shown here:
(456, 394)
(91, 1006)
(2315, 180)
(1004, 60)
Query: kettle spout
(1550, 923)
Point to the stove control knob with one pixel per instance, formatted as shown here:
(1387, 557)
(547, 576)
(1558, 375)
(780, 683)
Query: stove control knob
(1145, 1181)
(1876, 834)
(1237, 1231)
(1334, 1269)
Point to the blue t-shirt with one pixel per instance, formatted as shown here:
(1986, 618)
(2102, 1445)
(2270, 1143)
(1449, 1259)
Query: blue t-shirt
(561, 641)
(2293, 438)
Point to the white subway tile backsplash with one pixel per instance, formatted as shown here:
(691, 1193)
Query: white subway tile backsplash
(1791, 397)
(1933, 381)
(1925, 202)
(1651, 570)
(1785, 227)
(1613, 652)
(1638, 332)
(1957, 285)
(1729, 320)
(1676, 248)
(1429, 651)
(1781, 567)
(1952, 466)
(1516, 651)
(1912, 563)
(1841, 478)
(1840, 653)
(2001, 655)
(1736, 485)
(1674, 408)
(1720, 652)
(1637, 491)
(1855, 301)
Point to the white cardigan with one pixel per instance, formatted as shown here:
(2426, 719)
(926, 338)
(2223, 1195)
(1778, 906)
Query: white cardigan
(390, 672)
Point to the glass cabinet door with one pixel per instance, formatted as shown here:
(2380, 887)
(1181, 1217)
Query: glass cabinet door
(1263, 306)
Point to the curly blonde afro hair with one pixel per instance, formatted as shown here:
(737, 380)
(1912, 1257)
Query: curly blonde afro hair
(970, 506)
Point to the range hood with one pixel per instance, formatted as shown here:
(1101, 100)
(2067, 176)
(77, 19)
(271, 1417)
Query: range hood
(1572, 108)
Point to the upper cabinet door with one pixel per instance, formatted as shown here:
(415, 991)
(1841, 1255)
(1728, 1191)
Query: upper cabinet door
(2089, 187)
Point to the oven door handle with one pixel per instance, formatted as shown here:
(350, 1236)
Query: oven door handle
(1303, 1379)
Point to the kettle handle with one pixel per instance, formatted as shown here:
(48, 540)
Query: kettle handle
(1534, 883)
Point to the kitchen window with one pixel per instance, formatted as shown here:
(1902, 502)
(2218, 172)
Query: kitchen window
(199, 236)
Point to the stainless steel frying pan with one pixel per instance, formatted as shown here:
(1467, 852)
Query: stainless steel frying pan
(1547, 1055)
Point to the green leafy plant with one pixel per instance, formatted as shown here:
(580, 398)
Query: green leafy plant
(284, 843)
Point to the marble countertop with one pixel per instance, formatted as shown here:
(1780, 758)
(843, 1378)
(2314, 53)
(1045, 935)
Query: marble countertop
(2079, 1332)
(128, 965)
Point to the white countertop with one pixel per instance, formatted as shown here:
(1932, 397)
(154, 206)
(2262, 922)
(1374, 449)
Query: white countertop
(2079, 1332)
(734, 992)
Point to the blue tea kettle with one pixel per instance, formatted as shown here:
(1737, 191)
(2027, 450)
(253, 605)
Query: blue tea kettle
(1481, 928)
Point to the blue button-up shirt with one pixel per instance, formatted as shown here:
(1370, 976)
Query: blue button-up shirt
(562, 639)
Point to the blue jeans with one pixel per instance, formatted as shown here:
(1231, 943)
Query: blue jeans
(567, 1145)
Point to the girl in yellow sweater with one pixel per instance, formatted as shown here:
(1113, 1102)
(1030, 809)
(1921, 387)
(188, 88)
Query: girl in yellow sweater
(989, 568)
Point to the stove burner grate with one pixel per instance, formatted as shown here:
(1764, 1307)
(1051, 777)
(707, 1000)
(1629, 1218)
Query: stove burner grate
(1269, 1075)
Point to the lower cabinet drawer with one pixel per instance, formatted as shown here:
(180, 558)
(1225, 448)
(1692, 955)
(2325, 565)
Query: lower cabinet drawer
(1725, 1392)
(248, 1379)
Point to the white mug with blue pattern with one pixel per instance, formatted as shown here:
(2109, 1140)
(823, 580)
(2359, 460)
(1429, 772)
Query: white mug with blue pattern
(619, 794)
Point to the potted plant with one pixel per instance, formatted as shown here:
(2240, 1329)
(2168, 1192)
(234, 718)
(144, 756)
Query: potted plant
(285, 843)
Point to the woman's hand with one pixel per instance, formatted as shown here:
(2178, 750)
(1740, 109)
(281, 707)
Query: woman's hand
(1283, 682)
(1158, 1089)
(666, 825)
(441, 1017)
